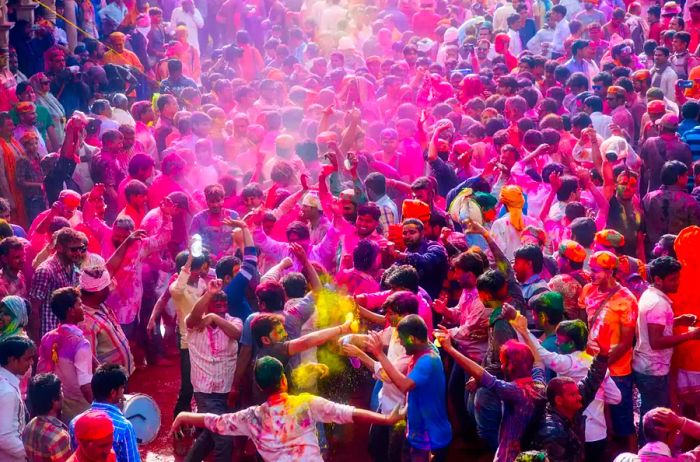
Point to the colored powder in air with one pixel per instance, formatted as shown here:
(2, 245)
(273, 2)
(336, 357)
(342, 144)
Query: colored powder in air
(305, 376)
(332, 308)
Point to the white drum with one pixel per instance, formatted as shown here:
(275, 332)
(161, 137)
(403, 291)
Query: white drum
(144, 414)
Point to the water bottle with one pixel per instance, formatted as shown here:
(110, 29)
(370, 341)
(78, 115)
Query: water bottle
(196, 246)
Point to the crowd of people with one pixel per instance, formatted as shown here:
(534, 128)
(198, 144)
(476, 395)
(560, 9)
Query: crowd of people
(462, 223)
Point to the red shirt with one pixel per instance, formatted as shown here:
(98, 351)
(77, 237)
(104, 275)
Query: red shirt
(424, 23)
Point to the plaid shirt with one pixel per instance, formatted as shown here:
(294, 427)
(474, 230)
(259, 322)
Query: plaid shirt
(46, 439)
(109, 344)
(51, 275)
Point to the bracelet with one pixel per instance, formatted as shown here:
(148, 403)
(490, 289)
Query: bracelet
(685, 421)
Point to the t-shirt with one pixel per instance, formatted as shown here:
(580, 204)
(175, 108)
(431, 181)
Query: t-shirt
(654, 308)
(427, 424)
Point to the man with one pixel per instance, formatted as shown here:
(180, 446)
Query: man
(609, 304)
(26, 111)
(45, 437)
(60, 270)
(621, 116)
(581, 59)
(522, 392)
(571, 278)
(527, 265)
(119, 55)
(593, 106)
(669, 209)
(657, 150)
(212, 338)
(662, 74)
(562, 433)
(108, 386)
(135, 208)
(190, 17)
(213, 224)
(681, 59)
(312, 212)
(167, 108)
(561, 30)
(651, 360)
(66, 352)
(506, 230)
(16, 357)
(176, 81)
(620, 186)
(100, 325)
(548, 310)
(94, 433)
(375, 184)
(429, 258)
(237, 274)
(12, 281)
(284, 426)
(428, 429)
(590, 14)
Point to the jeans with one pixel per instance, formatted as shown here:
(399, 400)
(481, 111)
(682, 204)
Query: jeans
(654, 392)
(622, 414)
(184, 396)
(214, 403)
(488, 414)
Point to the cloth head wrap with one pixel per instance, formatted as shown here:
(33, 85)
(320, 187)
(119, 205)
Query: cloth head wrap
(609, 238)
(93, 425)
(534, 232)
(603, 260)
(414, 208)
(94, 279)
(348, 195)
(572, 250)
(17, 308)
(311, 199)
(512, 197)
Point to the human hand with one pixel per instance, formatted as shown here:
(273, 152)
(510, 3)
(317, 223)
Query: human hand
(328, 110)
(439, 306)
(214, 286)
(686, 320)
(555, 181)
(304, 180)
(442, 335)
(508, 312)
(228, 221)
(519, 324)
(615, 129)
(298, 251)
(286, 263)
(374, 344)
(397, 414)
(445, 234)
(584, 176)
(475, 228)
(351, 350)
(136, 236)
(471, 385)
(668, 420)
(590, 134)
(604, 339)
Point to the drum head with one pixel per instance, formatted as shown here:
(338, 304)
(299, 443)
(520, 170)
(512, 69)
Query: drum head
(144, 414)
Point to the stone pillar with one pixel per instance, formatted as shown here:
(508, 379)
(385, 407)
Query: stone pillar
(50, 9)
(4, 36)
(25, 10)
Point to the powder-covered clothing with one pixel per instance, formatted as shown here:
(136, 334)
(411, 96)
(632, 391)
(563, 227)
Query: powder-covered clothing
(109, 344)
(46, 439)
(283, 428)
(654, 308)
(213, 357)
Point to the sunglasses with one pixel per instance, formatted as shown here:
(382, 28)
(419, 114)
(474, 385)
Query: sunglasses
(81, 249)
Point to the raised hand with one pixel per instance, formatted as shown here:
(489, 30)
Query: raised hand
(375, 344)
(136, 236)
(298, 251)
(520, 324)
(475, 228)
(443, 336)
(439, 306)
(214, 286)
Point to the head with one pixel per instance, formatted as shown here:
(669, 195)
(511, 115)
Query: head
(71, 245)
(571, 336)
(493, 288)
(412, 232)
(365, 257)
(94, 432)
(17, 354)
(563, 394)
(516, 360)
(12, 254)
(268, 329)
(95, 285)
(661, 55)
(626, 185)
(112, 141)
(271, 296)
(665, 273)
(66, 305)
(413, 333)
(269, 376)
(549, 308)
(674, 173)
(121, 229)
(109, 384)
(367, 219)
(44, 395)
(423, 189)
(528, 262)
(603, 265)
(214, 195)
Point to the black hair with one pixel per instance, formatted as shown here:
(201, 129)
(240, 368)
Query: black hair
(581, 120)
(402, 302)
(14, 347)
(470, 262)
(376, 182)
(62, 300)
(583, 231)
(413, 325)
(263, 324)
(107, 378)
(224, 267)
(272, 294)
(294, 284)
(556, 387)
(671, 171)
(42, 391)
(594, 102)
(533, 254)
(404, 277)
(664, 266)
(491, 282)
(299, 228)
(364, 254)
(197, 262)
(370, 209)
(569, 185)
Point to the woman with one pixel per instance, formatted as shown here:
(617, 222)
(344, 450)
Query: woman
(42, 86)
(13, 316)
(30, 178)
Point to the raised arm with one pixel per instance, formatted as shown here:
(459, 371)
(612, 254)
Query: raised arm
(311, 275)
(470, 367)
(317, 338)
(117, 258)
(376, 347)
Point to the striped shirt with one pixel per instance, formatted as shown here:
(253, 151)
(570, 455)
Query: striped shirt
(109, 344)
(46, 439)
(51, 275)
(124, 444)
(213, 357)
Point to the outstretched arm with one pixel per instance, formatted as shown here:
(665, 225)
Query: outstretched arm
(317, 338)
(470, 367)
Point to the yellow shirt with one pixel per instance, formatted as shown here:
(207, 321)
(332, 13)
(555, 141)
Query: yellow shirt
(184, 297)
(125, 58)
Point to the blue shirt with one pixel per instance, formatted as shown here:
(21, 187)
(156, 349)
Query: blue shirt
(124, 444)
(427, 424)
(238, 305)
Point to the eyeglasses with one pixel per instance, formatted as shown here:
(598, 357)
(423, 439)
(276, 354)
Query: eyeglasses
(81, 249)
(45, 82)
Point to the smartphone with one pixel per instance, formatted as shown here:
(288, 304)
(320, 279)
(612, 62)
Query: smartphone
(685, 83)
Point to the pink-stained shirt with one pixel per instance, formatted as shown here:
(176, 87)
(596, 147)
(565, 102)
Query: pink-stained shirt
(376, 299)
(145, 137)
(125, 299)
(272, 251)
(507, 237)
(349, 239)
(355, 282)
(471, 336)
(162, 186)
(213, 356)
(283, 428)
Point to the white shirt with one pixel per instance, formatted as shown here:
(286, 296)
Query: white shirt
(331, 17)
(561, 33)
(654, 308)
(516, 44)
(12, 418)
(601, 123)
(193, 22)
(575, 366)
(542, 36)
(667, 82)
(507, 237)
(390, 396)
(572, 8)
(213, 355)
(500, 17)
